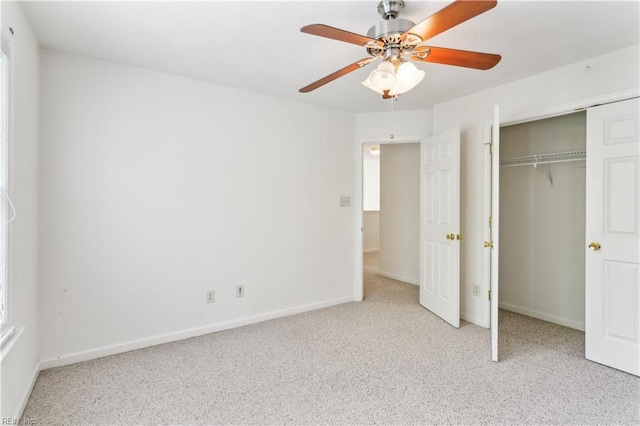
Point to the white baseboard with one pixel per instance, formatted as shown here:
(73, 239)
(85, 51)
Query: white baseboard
(183, 334)
(27, 394)
(371, 250)
(472, 319)
(31, 379)
(399, 278)
(542, 316)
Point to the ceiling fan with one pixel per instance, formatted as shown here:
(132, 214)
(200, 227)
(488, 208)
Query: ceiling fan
(394, 38)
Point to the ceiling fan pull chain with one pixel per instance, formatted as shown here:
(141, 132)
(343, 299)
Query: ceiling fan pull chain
(393, 100)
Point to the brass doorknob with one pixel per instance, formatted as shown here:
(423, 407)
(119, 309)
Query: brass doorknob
(595, 246)
(488, 244)
(451, 237)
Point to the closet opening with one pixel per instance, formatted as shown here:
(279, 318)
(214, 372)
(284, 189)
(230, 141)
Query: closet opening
(542, 221)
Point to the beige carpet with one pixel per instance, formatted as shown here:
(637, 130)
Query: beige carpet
(385, 360)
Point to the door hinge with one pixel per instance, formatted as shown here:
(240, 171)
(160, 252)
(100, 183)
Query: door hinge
(489, 294)
(490, 147)
(490, 222)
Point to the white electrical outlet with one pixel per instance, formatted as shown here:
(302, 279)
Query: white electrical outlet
(211, 296)
(240, 291)
(476, 290)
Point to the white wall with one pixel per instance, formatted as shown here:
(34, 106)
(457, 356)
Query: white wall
(554, 91)
(542, 222)
(370, 199)
(370, 179)
(379, 126)
(157, 188)
(371, 232)
(400, 212)
(19, 358)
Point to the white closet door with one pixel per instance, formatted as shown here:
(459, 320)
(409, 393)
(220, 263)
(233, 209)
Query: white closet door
(612, 311)
(495, 229)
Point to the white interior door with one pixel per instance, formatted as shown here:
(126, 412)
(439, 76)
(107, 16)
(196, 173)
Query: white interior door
(612, 292)
(439, 225)
(493, 244)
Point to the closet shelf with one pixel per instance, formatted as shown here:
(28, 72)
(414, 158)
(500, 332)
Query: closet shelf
(557, 157)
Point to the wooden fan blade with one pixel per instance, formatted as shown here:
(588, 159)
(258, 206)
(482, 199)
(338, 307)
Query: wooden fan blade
(452, 15)
(346, 70)
(459, 58)
(337, 34)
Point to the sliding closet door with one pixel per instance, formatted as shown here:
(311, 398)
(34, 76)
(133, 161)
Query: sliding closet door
(612, 311)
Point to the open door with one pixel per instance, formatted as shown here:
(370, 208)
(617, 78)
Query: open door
(439, 225)
(612, 287)
(493, 244)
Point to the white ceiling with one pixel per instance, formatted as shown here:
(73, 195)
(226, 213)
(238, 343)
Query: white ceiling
(257, 46)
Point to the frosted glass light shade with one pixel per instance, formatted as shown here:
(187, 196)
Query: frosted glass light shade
(384, 77)
(408, 77)
(367, 84)
(405, 79)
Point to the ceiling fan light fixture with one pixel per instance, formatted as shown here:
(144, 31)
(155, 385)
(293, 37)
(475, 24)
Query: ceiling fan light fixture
(404, 79)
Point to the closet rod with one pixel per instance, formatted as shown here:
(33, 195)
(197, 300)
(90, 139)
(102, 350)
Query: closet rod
(558, 157)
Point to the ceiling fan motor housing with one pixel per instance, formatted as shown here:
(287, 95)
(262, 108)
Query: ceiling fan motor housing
(390, 34)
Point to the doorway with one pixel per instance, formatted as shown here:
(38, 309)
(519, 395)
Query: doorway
(391, 211)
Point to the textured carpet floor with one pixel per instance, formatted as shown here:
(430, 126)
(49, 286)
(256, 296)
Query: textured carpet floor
(385, 360)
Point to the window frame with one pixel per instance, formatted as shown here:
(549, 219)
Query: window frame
(6, 328)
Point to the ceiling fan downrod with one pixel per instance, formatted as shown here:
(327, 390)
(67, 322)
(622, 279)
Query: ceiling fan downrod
(390, 9)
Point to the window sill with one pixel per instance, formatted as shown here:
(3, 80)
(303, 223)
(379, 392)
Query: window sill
(9, 339)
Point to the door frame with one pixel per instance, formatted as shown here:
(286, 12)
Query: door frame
(487, 231)
(535, 115)
(358, 285)
(563, 109)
